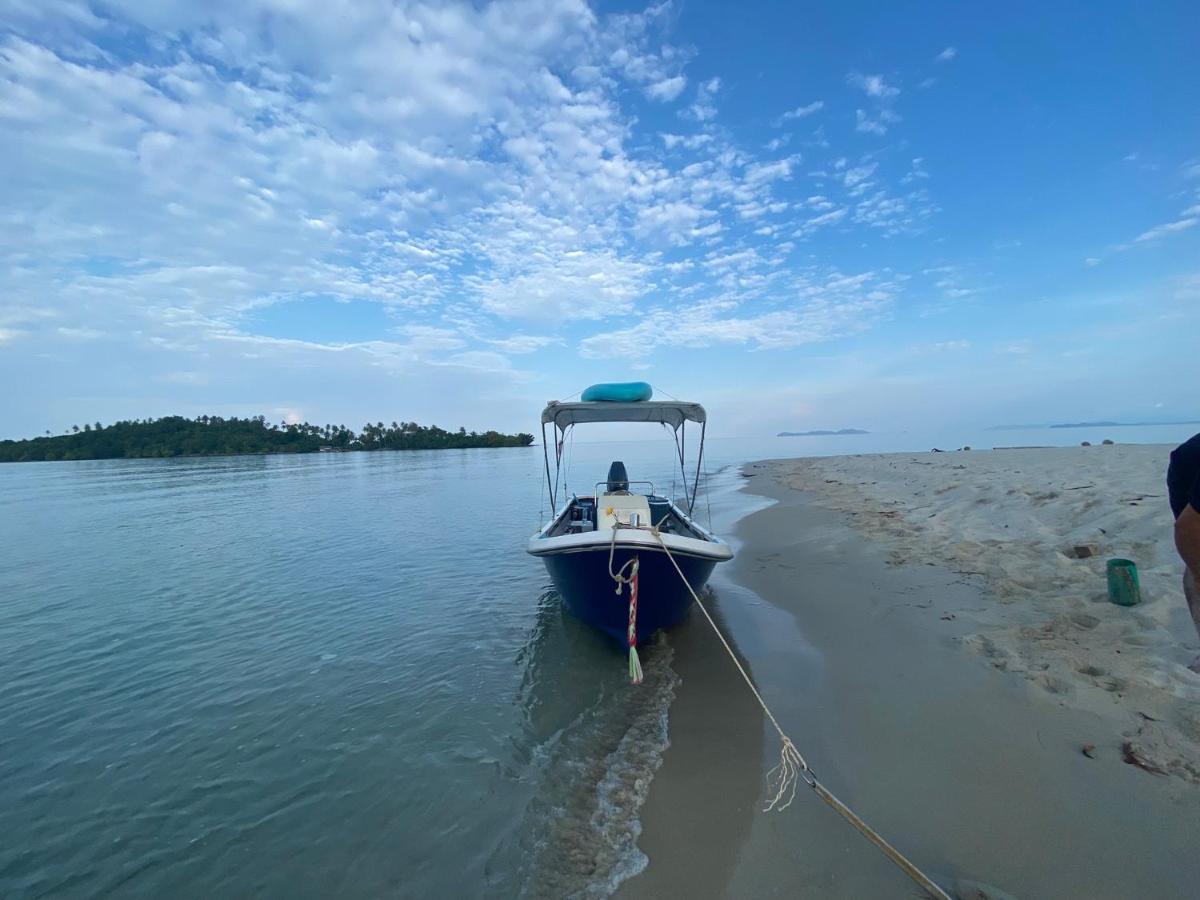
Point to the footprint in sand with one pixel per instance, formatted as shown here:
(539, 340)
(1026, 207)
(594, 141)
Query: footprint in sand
(1055, 685)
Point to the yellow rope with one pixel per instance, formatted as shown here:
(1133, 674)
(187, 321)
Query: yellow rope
(792, 766)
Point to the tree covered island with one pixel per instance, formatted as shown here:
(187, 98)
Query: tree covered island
(217, 436)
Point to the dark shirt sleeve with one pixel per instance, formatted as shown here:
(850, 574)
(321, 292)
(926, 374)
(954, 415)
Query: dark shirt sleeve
(1183, 476)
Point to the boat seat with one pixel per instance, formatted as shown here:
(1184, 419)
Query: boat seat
(628, 509)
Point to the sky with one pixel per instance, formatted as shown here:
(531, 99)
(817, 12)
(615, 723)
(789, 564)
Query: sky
(817, 215)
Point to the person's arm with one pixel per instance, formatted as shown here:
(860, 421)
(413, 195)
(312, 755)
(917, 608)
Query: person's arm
(1187, 538)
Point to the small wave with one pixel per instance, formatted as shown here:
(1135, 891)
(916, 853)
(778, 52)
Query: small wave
(580, 830)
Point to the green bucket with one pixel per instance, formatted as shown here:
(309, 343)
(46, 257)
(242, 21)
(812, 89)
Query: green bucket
(1123, 586)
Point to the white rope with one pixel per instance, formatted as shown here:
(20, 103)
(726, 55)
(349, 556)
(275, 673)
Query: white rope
(792, 766)
(635, 664)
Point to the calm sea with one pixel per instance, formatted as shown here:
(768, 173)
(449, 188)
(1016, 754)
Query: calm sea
(314, 675)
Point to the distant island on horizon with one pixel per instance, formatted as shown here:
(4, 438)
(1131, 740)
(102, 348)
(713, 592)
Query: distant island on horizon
(173, 436)
(820, 433)
(1101, 424)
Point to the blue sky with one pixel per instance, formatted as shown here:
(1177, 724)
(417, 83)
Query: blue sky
(803, 215)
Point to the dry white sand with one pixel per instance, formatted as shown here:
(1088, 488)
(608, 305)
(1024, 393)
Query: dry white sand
(1013, 519)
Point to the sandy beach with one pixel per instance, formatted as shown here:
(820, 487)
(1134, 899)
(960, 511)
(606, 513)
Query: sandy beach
(924, 628)
(1019, 521)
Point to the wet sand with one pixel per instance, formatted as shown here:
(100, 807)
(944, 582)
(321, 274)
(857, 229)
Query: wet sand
(973, 772)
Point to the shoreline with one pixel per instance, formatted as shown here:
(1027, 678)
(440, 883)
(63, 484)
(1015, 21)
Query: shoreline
(969, 770)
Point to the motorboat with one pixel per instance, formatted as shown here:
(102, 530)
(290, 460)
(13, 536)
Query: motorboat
(623, 558)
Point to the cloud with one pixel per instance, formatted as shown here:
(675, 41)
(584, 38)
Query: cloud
(689, 142)
(946, 55)
(878, 120)
(81, 334)
(576, 284)
(195, 180)
(431, 337)
(916, 172)
(1161, 231)
(667, 89)
(821, 306)
(857, 180)
(815, 223)
(704, 107)
(802, 112)
(873, 86)
(522, 343)
(878, 124)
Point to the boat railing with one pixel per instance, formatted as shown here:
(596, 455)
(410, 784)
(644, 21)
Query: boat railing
(602, 488)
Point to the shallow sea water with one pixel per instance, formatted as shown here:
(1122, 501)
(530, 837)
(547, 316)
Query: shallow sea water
(307, 675)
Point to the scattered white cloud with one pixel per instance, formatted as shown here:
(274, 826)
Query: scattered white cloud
(704, 107)
(815, 223)
(432, 337)
(873, 86)
(80, 334)
(818, 307)
(803, 112)
(518, 344)
(510, 198)
(878, 119)
(688, 142)
(1161, 231)
(858, 179)
(876, 124)
(952, 283)
(667, 89)
(916, 171)
(946, 55)
(576, 284)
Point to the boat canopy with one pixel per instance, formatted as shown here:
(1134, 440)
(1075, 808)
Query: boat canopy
(668, 412)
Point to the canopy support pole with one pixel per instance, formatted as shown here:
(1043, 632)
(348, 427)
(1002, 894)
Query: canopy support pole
(546, 457)
(696, 481)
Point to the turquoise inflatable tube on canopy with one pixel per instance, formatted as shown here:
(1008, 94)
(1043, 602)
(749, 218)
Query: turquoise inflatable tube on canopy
(618, 392)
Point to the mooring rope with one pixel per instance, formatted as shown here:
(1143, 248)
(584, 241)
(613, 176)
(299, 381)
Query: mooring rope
(792, 766)
(635, 664)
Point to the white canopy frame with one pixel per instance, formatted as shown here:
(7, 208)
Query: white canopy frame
(671, 414)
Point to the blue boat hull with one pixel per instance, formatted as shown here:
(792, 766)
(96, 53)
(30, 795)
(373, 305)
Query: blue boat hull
(583, 581)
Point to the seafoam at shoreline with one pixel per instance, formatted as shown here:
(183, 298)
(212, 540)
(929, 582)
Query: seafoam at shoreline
(1013, 519)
